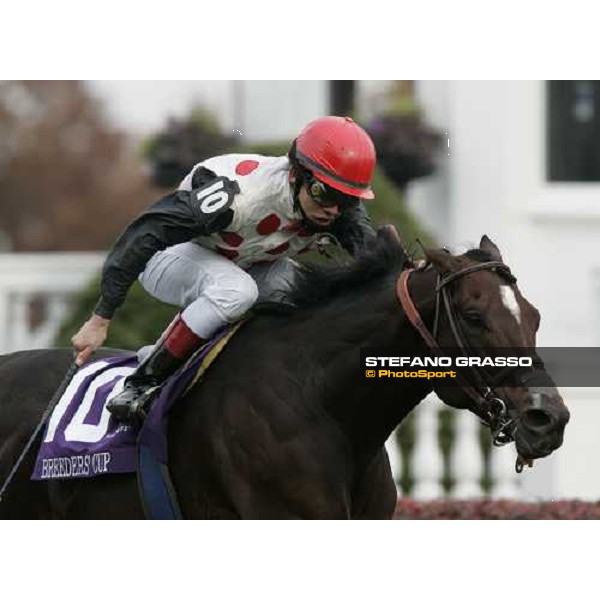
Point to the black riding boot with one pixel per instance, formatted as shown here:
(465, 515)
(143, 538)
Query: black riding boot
(171, 351)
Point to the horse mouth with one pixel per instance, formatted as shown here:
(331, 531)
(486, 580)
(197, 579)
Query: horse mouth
(531, 446)
(540, 427)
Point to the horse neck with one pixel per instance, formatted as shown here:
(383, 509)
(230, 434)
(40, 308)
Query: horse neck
(367, 411)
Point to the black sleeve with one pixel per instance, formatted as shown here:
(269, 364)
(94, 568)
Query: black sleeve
(176, 218)
(354, 229)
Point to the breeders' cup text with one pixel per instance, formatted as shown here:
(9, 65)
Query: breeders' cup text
(75, 466)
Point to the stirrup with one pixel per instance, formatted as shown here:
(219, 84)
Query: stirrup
(135, 410)
(141, 405)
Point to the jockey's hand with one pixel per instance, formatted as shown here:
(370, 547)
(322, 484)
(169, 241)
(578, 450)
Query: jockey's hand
(89, 338)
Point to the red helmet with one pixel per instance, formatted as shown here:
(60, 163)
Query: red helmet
(339, 153)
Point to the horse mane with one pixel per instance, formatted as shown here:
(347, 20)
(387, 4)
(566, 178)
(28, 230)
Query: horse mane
(317, 284)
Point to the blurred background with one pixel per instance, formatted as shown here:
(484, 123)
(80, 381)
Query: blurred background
(516, 160)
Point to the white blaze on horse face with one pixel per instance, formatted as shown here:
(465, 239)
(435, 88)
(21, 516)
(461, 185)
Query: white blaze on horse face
(509, 299)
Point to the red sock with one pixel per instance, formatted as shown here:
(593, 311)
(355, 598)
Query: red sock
(180, 340)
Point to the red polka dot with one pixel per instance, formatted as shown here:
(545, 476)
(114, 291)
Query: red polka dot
(246, 167)
(230, 254)
(269, 224)
(279, 249)
(303, 232)
(231, 238)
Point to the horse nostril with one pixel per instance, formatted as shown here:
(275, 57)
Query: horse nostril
(537, 419)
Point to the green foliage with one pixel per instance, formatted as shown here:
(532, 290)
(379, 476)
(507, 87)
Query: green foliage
(389, 207)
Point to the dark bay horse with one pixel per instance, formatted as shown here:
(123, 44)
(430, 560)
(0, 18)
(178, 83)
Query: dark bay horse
(284, 424)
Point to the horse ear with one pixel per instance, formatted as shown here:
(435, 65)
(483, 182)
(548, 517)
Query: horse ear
(488, 246)
(442, 260)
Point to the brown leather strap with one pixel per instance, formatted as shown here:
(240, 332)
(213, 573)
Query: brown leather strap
(415, 318)
(494, 265)
(410, 309)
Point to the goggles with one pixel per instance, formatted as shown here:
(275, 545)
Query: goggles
(327, 197)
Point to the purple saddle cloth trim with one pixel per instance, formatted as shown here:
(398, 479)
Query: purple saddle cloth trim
(83, 440)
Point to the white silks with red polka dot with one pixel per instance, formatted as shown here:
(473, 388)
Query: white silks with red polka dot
(265, 226)
(207, 277)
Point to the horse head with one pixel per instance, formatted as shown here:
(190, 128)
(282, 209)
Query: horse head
(480, 308)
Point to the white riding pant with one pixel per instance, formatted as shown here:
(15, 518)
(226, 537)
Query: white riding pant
(210, 288)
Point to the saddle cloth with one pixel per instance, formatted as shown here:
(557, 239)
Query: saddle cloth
(82, 439)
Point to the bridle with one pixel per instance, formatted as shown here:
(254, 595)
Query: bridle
(487, 404)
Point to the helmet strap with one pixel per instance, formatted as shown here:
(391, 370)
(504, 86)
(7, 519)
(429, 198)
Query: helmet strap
(305, 221)
(296, 187)
(299, 181)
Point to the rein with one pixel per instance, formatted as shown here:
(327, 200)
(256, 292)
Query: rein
(488, 405)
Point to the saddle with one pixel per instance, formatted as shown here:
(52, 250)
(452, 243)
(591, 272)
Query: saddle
(83, 441)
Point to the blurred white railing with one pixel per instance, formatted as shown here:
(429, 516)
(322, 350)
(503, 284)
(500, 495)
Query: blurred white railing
(36, 291)
(467, 460)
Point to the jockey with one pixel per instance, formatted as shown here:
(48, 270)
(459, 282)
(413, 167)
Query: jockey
(197, 247)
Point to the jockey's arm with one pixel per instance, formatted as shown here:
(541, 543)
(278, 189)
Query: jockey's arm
(176, 218)
(354, 229)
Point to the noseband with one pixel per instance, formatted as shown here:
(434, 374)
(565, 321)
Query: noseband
(488, 405)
